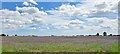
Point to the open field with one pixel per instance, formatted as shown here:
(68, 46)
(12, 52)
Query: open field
(0, 44)
(60, 44)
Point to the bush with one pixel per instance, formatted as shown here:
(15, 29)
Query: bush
(3, 35)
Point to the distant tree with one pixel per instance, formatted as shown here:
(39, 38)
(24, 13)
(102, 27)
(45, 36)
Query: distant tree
(110, 35)
(7, 35)
(15, 34)
(52, 35)
(3, 35)
(89, 35)
(81, 35)
(97, 34)
(73, 35)
(33, 35)
(104, 33)
(118, 35)
(77, 35)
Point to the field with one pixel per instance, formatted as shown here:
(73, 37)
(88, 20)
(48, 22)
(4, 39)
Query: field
(60, 44)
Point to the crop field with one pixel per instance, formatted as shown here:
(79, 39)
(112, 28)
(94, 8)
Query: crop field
(60, 44)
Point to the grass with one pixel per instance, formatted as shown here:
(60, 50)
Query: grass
(114, 48)
(61, 48)
(0, 48)
(0, 44)
(59, 45)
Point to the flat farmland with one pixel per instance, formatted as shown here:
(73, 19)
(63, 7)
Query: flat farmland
(60, 44)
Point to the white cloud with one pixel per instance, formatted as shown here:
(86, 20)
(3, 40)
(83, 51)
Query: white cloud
(63, 10)
(104, 9)
(30, 3)
(68, 24)
(26, 3)
(29, 10)
(105, 22)
(14, 19)
(95, 20)
(87, 9)
(33, 28)
(92, 28)
(111, 23)
(99, 1)
(101, 6)
(76, 22)
(59, 27)
(33, 2)
(81, 17)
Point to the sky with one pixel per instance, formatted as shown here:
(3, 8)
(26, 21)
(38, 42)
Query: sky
(73, 17)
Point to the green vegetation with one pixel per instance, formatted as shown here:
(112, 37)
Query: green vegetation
(60, 48)
(114, 48)
(0, 48)
(60, 44)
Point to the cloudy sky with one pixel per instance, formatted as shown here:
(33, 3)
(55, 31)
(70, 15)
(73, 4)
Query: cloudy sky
(73, 17)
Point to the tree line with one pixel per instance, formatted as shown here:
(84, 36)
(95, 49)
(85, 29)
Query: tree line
(104, 34)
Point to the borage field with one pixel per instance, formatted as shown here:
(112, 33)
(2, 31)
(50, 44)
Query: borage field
(60, 44)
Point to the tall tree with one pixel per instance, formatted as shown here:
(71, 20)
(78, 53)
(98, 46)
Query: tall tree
(97, 34)
(104, 33)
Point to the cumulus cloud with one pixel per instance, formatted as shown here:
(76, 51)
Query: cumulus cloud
(86, 16)
(14, 19)
(33, 2)
(29, 10)
(76, 22)
(33, 28)
(95, 20)
(101, 6)
(26, 3)
(99, 1)
(111, 23)
(63, 10)
(101, 9)
(105, 22)
(30, 3)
